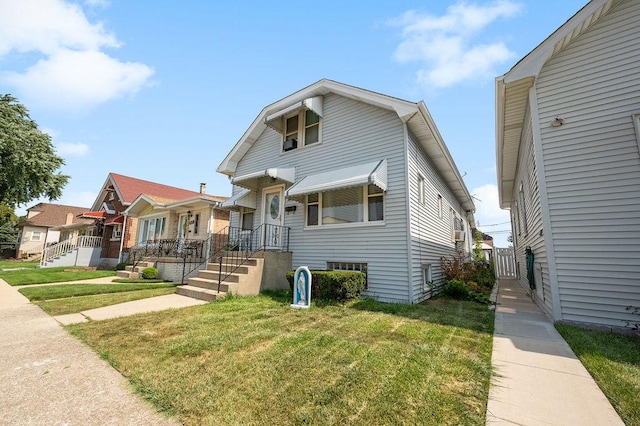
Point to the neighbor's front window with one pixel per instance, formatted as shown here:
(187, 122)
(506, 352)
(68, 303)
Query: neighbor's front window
(349, 205)
(151, 230)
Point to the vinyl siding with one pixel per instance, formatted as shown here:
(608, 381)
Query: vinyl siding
(530, 211)
(592, 167)
(352, 133)
(431, 235)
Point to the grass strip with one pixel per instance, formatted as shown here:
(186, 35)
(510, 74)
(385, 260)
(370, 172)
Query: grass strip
(72, 305)
(614, 362)
(75, 290)
(17, 264)
(51, 275)
(253, 360)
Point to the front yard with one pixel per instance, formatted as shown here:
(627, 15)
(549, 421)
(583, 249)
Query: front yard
(256, 361)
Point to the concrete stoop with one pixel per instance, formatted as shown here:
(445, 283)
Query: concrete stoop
(245, 279)
(134, 272)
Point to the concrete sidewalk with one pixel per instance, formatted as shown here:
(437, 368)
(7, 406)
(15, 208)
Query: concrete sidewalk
(50, 378)
(151, 304)
(537, 378)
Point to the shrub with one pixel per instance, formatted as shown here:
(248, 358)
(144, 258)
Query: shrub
(456, 289)
(121, 266)
(150, 273)
(338, 286)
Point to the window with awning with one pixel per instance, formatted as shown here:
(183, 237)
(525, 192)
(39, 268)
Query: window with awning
(344, 196)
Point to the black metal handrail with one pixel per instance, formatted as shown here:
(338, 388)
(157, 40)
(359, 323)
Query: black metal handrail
(237, 245)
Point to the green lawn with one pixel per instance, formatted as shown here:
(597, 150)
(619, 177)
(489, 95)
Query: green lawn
(39, 293)
(614, 362)
(254, 360)
(51, 275)
(72, 305)
(12, 264)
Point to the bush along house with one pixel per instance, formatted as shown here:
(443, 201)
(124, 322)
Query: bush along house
(343, 178)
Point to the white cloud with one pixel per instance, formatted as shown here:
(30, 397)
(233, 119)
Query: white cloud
(447, 46)
(488, 211)
(96, 78)
(73, 73)
(97, 3)
(72, 149)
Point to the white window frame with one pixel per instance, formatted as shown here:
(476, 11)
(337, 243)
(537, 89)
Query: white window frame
(427, 277)
(116, 233)
(144, 239)
(365, 213)
(525, 228)
(33, 236)
(302, 128)
(636, 124)
(245, 211)
(421, 188)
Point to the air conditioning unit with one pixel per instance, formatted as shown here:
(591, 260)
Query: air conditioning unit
(290, 144)
(458, 235)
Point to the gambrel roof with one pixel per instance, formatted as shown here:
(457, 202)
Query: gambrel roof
(415, 115)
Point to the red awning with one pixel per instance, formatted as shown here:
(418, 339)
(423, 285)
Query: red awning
(115, 220)
(94, 215)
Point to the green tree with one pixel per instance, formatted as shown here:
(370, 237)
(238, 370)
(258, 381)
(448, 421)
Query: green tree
(8, 230)
(477, 247)
(28, 163)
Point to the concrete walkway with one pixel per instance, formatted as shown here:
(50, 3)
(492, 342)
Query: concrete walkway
(537, 378)
(48, 377)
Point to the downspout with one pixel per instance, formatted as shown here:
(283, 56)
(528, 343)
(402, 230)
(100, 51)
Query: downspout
(210, 231)
(408, 209)
(122, 237)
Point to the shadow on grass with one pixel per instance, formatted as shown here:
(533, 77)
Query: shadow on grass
(439, 310)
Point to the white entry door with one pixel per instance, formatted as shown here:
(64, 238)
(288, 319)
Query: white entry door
(272, 207)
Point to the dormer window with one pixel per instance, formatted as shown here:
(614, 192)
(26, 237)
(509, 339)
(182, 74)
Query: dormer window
(299, 123)
(301, 129)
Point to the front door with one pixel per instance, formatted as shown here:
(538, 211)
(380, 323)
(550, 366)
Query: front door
(183, 223)
(272, 207)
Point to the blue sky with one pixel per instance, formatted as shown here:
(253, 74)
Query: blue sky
(162, 90)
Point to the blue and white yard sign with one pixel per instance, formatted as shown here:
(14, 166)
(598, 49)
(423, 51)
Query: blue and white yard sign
(301, 288)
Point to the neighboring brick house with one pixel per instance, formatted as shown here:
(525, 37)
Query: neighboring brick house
(119, 225)
(48, 223)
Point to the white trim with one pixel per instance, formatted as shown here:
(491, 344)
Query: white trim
(362, 174)
(408, 225)
(344, 225)
(636, 124)
(544, 207)
(271, 189)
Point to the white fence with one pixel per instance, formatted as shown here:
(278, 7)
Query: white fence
(505, 262)
(66, 246)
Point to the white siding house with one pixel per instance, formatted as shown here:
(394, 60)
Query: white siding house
(567, 145)
(361, 181)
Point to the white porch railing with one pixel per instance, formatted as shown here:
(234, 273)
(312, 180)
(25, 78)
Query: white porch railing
(63, 247)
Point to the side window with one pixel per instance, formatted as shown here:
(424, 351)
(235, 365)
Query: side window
(524, 210)
(420, 188)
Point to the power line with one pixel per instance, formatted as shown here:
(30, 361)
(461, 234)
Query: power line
(494, 224)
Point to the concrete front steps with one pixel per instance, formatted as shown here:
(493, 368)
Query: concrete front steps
(134, 272)
(244, 280)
